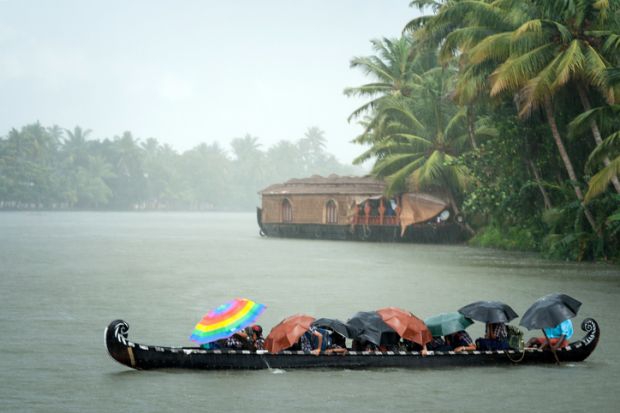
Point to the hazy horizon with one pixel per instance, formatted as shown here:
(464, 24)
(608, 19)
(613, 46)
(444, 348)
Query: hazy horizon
(191, 72)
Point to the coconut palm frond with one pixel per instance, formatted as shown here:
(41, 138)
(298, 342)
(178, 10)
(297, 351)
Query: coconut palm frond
(461, 40)
(397, 179)
(487, 132)
(516, 71)
(535, 91)
(393, 164)
(369, 89)
(596, 69)
(365, 108)
(399, 107)
(417, 23)
(606, 117)
(559, 30)
(456, 121)
(570, 62)
(372, 66)
(599, 182)
(612, 45)
(432, 170)
(532, 26)
(610, 147)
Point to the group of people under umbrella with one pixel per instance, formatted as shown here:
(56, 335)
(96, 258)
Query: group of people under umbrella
(390, 329)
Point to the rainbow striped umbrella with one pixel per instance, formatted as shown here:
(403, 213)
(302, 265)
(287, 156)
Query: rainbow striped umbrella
(226, 320)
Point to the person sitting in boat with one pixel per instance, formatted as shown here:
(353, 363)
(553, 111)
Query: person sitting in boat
(495, 338)
(238, 341)
(460, 341)
(258, 341)
(438, 344)
(390, 342)
(313, 341)
(249, 338)
(336, 343)
(409, 345)
(363, 345)
(336, 348)
(556, 337)
(214, 345)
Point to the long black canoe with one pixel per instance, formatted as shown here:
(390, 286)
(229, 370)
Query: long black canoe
(143, 357)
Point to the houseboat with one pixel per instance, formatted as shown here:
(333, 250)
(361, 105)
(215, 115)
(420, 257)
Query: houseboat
(355, 208)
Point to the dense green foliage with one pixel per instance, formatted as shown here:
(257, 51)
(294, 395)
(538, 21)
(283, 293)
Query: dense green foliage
(52, 168)
(509, 109)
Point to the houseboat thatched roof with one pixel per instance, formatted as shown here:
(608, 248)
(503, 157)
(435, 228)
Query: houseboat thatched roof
(330, 185)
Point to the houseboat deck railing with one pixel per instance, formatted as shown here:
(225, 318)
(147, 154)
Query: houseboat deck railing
(376, 220)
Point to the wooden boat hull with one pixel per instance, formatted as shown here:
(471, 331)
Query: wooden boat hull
(143, 357)
(432, 233)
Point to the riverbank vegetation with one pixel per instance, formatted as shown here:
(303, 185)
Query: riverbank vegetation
(53, 168)
(509, 108)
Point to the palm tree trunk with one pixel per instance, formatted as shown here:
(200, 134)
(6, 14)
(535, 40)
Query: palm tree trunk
(567, 163)
(470, 126)
(545, 196)
(457, 212)
(595, 131)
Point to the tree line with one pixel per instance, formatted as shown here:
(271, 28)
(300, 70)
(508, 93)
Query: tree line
(55, 168)
(509, 109)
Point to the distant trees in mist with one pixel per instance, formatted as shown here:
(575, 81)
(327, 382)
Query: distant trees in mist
(55, 168)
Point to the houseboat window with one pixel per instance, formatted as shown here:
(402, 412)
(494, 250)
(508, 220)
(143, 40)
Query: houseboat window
(287, 211)
(331, 212)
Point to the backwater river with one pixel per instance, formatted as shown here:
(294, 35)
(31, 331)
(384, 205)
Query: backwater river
(65, 276)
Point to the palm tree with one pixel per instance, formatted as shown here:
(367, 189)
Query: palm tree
(458, 29)
(392, 70)
(609, 147)
(545, 55)
(312, 149)
(246, 149)
(419, 154)
(562, 47)
(76, 146)
(249, 168)
(607, 116)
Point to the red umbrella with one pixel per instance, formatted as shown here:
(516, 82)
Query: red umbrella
(287, 332)
(406, 324)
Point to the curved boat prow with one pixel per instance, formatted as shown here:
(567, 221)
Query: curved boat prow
(119, 348)
(587, 344)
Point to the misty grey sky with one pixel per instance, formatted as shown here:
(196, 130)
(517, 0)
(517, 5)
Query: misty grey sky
(187, 72)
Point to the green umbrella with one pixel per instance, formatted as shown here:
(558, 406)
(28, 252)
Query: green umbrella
(447, 323)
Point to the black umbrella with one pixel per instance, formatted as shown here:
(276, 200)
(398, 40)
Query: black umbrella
(369, 326)
(336, 326)
(549, 311)
(489, 312)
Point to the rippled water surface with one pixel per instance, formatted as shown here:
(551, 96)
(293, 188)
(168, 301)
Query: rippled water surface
(65, 276)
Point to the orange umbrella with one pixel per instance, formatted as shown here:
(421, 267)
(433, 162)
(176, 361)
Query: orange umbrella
(406, 324)
(287, 332)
